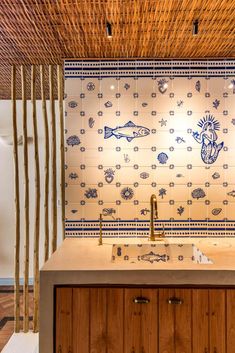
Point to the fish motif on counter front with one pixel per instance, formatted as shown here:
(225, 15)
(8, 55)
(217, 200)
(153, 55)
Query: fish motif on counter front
(128, 131)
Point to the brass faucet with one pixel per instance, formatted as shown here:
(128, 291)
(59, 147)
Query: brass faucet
(101, 233)
(154, 215)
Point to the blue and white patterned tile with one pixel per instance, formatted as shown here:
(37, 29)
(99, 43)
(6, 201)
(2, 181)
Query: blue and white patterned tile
(169, 157)
(73, 87)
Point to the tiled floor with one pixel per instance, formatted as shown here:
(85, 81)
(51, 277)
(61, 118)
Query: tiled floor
(7, 313)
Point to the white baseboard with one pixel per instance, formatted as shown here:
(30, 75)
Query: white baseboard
(10, 281)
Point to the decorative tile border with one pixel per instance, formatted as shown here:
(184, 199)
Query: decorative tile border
(140, 229)
(148, 68)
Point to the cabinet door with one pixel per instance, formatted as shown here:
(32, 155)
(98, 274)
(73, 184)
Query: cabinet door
(230, 320)
(98, 315)
(175, 327)
(81, 308)
(149, 322)
(141, 320)
(166, 321)
(183, 321)
(63, 320)
(200, 320)
(97, 320)
(132, 321)
(217, 320)
(115, 320)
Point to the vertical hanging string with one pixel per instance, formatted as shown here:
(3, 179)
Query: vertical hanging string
(62, 176)
(37, 202)
(53, 161)
(46, 165)
(26, 204)
(17, 204)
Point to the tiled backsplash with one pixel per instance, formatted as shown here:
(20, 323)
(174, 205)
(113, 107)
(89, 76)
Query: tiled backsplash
(136, 128)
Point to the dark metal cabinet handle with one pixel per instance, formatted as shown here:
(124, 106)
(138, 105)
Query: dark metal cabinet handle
(141, 300)
(175, 300)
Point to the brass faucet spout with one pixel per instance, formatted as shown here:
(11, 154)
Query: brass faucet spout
(154, 215)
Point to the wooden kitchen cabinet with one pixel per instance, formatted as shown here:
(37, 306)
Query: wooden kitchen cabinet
(144, 320)
(175, 320)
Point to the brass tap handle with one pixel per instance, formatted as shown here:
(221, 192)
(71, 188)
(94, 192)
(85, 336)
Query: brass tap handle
(174, 300)
(141, 300)
(101, 233)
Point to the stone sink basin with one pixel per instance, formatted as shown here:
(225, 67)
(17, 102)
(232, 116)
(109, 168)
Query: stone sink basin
(158, 253)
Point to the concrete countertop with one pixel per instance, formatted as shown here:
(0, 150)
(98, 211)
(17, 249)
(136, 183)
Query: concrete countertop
(83, 262)
(87, 255)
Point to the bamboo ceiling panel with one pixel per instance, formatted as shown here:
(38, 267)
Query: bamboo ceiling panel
(46, 31)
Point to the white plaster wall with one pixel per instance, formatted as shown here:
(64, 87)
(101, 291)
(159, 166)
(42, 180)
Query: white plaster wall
(7, 215)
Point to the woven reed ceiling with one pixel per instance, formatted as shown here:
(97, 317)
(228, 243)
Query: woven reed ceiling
(46, 31)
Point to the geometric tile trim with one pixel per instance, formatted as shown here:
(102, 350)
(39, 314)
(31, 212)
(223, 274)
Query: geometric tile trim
(133, 229)
(148, 68)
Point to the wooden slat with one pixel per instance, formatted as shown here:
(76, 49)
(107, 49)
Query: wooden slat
(149, 322)
(132, 321)
(98, 321)
(62, 166)
(63, 333)
(53, 163)
(46, 164)
(230, 320)
(200, 320)
(37, 206)
(17, 202)
(26, 203)
(217, 320)
(81, 320)
(183, 322)
(166, 321)
(115, 320)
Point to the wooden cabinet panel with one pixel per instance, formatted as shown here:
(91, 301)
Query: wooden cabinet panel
(200, 320)
(149, 322)
(81, 307)
(217, 320)
(230, 321)
(98, 315)
(100, 320)
(132, 321)
(115, 320)
(183, 324)
(97, 320)
(63, 320)
(166, 322)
